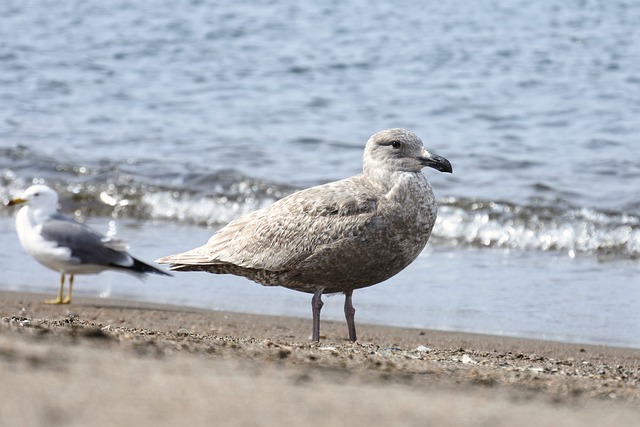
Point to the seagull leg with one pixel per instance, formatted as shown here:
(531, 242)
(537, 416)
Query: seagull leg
(316, 306)
(349, 313)
(58, 300)
(67, 299)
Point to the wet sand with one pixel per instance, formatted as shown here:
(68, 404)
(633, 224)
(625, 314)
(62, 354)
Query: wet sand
(105, 362)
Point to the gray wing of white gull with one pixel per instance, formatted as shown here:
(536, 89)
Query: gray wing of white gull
(88, 247)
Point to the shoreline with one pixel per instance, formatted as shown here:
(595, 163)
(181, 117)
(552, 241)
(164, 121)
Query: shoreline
(196, 365)
(296, 327)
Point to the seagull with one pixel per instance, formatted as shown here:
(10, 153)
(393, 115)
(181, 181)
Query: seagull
(67, 246)
(335, 237)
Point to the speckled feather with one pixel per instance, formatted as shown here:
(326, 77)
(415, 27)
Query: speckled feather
(336, 237)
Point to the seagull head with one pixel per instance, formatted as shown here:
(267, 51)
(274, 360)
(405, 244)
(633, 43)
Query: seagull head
(398, 150)
(38, 197)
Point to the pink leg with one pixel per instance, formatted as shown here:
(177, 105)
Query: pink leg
(349, 313)
(316, 306)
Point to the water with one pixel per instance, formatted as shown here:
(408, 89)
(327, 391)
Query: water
(171, 118)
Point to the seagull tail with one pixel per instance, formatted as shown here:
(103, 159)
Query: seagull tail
(187, 261)
(140, 267)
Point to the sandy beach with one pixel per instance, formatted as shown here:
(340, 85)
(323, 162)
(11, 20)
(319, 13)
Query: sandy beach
(105, 362)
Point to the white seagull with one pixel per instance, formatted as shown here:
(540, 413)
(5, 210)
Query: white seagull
(67, 246)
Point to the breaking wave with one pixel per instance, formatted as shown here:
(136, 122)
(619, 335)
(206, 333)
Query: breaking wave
(215, 198)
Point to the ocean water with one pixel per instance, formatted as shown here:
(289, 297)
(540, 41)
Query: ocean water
(166, 119)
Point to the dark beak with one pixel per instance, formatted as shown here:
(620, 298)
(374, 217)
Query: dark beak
(439, 163)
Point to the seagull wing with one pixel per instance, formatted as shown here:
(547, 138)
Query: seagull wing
(284, 234)
(86, 246)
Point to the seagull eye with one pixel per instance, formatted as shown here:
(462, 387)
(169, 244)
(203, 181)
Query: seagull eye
(396, 144)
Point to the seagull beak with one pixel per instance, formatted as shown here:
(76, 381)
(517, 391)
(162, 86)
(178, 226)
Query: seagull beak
(439, 163)
(15, 201)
